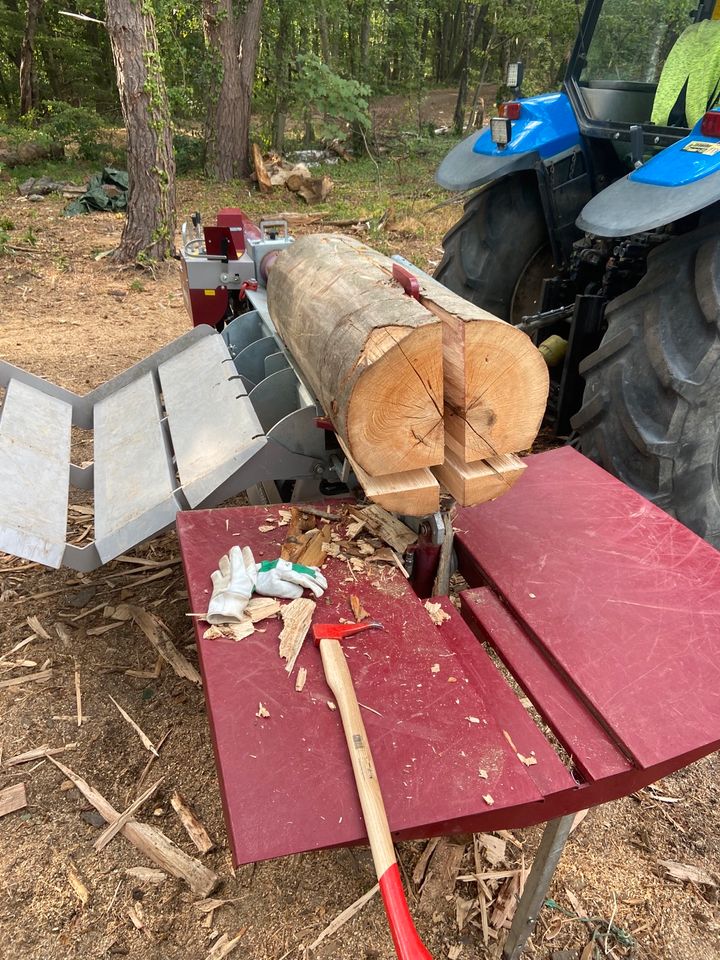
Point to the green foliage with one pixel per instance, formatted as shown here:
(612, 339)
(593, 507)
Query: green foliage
(6, 224)
(79, 126)
(189, 153)
(341, 102)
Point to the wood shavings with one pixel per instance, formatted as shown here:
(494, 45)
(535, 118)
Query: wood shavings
(285, 516)
(78, 697)
(297, 616)
(359, 611)
(437, 614)
(354, 528)
(331, 705)
(37, 753)
(262, 711)
(223, 946)
(487, 797)
(300, 680)
(483, 774)
(494, 848)
(687, 873)
(159, 636)
(266, 527)
(473, 719)
(146, 874)
(41, 676)
(528, 761)
(38, 628)
(386, 527)
(435, 668)
(452, 679)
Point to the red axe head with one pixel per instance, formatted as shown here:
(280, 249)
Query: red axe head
(338, 631)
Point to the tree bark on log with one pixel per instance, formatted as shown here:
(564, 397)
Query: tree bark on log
(371, 354)
(232, 42)
(150, 226)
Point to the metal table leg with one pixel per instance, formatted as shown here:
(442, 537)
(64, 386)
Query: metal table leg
(536, 887)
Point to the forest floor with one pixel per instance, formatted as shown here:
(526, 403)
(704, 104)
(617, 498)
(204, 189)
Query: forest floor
(80, 321)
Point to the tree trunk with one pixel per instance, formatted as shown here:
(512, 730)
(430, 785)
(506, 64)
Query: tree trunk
(468, 30)
(322, 26)
(232, 40)
(29, 98)
(365, 43)
(150, 226)
(282, 79)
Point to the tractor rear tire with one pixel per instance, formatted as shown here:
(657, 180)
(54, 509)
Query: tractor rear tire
(498, 253)
(651, 408)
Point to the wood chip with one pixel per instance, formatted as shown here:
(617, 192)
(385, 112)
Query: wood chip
(473, 719)
(78, 697)
(418, 873)
(190, 820)
(331, 705)
(78, 885)
(146, 874)
(528, 761)
(506, 901)
(297, 617)
(223, 947)
(38, 628)
(687, 873)
(12, 798)
(266, 527)
(146, 741)
(300, 680)
(359, 611)
(116, 826)
(493, 848)
(230, 631)
(150, 841)
(260, 608)
(41, 676)
(437, 614)
(262, 711)
(483, 774)
(342, 918)
(159, 636)
(386, 527)
(487, 797)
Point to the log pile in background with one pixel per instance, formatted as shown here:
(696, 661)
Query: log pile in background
(276, 172)
(409, 384)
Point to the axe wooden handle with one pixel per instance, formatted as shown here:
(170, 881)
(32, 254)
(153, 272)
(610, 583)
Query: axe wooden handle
(408, 945)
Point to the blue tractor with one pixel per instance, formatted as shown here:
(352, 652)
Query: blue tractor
(596, 226)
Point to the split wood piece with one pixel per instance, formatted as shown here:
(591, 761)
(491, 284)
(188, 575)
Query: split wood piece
(260, 608)
(440, 877)
(190, 820)
(371, 354)
(507, 900)
(478, 482)
(418, 874)
(159, 636)
(261, 174)
(224, 946)
(116, 826)
(146, 741)
(41, 675)
(300, 679)
(496, 381)
(12, 798)
(37, 753)
(150, 841)
(342, 918)
(386, 527)
(297, 616)
(414, 492)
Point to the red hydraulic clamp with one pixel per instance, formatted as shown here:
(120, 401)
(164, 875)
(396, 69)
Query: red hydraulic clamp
(246, 285)
(408, 281)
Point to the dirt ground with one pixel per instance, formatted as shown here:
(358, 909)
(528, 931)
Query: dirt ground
(79, 321)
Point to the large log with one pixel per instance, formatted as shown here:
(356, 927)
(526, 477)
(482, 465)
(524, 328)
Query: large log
(371, 354)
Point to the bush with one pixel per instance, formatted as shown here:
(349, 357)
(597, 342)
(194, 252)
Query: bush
(189, 153)
(66, 124)
(342, 102)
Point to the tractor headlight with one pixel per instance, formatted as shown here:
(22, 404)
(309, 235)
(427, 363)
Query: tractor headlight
(500, 131)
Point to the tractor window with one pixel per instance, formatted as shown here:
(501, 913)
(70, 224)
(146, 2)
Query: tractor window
(632, 39)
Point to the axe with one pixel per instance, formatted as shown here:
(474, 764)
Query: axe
(328, 636)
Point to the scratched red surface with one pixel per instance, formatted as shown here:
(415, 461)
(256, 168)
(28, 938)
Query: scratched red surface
(622, 600)
(286, 780)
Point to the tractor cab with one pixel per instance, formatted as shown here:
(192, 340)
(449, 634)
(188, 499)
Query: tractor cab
(593, 222)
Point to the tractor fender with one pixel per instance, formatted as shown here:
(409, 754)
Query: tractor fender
(545, 128)
(682, 179)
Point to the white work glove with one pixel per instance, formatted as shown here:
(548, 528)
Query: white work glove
(233, 585)
(281, 578)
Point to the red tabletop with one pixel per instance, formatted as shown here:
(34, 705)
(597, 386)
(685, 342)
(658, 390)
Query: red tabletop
(604, 608)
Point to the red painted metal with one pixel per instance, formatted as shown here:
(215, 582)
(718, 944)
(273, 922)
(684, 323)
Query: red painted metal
(286, 780)
(620, 599)
(604, 608)
(220, 242)
(206, 306)
(407, 280)
(408, 945)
